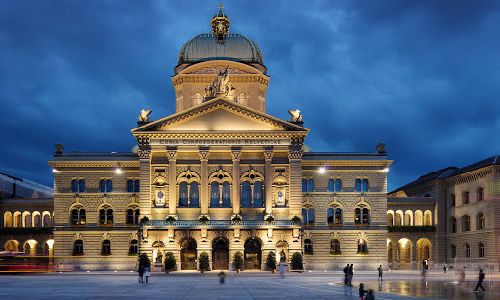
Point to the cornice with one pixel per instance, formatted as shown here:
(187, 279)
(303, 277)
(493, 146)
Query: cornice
(95, 164)
(346, 163)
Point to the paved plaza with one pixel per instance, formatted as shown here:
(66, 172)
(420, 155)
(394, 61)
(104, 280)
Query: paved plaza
(238, 286)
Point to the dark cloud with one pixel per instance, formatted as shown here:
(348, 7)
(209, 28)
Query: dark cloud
(421, 76)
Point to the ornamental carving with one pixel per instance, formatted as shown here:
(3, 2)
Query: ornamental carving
(144, 154)
(235, 154)
(214, 69)
(295, 154)
(172, 154)
(268, 154)
(204, 154)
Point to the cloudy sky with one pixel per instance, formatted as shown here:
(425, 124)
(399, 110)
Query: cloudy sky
(421, 76)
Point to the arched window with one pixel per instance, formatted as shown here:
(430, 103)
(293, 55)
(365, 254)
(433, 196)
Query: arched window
(480, 194)
(465, 197)
(481, 250)
(427, 218)
(364, 185)
(308, 216)
(481, 221)
(37, 219)
(197, 99)
(106, 216)
(252, 189)
(133, 185)
(331, 185)
(390, 218)
(106, 247)
(106, 185)
(467, 250)
(183, 194)
(304, 185)
(465, 223)
(47, 219)
(18, 221)
(78, 216)
(334, 216)
(338, 185)
(194, 195)
(220, 189)
(357, 185)
(362, 246)
(310, 185)
(453, 225)
(226, 194)
(453, 251)
(133, 216)
(361, 215)
(335, 246)
(258, 194)
(78, 247)
(214, 194)
(133, 249)
(78, 185)
(308, 246)
(26, 219)
(7, 219)
(452, 200)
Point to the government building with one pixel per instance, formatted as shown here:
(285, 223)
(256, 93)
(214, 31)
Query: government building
(223, 176)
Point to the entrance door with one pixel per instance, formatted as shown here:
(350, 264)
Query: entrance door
(188, 254)
(253, 254)
(220, 254)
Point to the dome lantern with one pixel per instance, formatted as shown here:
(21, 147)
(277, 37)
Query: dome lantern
(220, 25)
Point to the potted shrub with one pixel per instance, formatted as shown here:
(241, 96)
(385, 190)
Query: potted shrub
(170, 219)
(170, 262)
(236, 219)
(238, 261)
(271, 261)
(144, 220)
(296, 220)
(204, 262)
(144, 260)
(269, 219)
(297, 262)
(204, 220)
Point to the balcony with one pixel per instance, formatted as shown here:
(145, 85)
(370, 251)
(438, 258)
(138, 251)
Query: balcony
(427, 228)
(219, 224)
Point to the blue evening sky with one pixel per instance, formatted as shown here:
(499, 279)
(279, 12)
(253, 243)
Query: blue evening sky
(421, 76)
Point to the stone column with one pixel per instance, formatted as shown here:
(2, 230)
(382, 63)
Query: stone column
(268, 177)
(235, 154)
(204, 181)
(295, 165)
(172, 182)
(145, 182)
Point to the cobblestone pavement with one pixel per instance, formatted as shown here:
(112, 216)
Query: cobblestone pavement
(238, 286)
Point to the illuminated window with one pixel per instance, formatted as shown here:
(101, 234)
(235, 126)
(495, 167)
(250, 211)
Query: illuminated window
(361, 215)
(334, 216)
(106, 216)
(78, 216)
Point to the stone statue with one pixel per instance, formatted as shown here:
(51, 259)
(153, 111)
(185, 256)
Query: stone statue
(296, 116)
(220, 87)
(144, 116)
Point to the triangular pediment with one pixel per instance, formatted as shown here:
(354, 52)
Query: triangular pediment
(220, 115)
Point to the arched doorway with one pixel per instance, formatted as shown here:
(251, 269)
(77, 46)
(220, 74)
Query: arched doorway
(253, 254)
(404, 254)
(424, 247)
(11, 245)
(389, 252)
(220, 254)
(188, 254)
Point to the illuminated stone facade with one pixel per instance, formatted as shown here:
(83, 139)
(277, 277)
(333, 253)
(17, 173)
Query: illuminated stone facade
(218, 160)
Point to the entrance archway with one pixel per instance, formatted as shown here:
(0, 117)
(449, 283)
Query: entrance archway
(253, 254)
(188, 254)
(424, 247)
(220, 254)
(11, 245)
(404, 254)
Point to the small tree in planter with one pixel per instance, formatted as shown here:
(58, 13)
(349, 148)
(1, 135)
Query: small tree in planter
(296, 220)
(170, 262)
(204, 262)
(271, 261)
(270, 219)
(170, 219)
(144, 220)
(236, 219)
(144, 260)
(204, 220)
(297, 261)
(238, 261)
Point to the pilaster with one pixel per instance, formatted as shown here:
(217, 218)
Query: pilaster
(204, 181)
(172, 181)
(235, 154)
(295, 163)
(145, 182)
(268, 178)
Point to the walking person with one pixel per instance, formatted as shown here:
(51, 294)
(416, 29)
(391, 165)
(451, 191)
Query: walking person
(346, 278)
(480, 281)
(350, 275)
(222, 278)
(362, 291)
(380, 273)
(461, 279)
(282, 270)
(370, 295)
(147, 273)
(445, 267)
(140, 270)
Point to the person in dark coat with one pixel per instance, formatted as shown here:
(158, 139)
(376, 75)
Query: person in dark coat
(350, 275)
(140, 270)
(362, 291)
(380, 273)
(370, 295)
(480, 281)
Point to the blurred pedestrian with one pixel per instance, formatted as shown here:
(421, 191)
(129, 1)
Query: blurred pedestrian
(380, 273)
(140, 270)
(480, 281)
(370, 295)
(362, 291)
(222, 278)
(282, 270)
(350, 275)
(147, 273)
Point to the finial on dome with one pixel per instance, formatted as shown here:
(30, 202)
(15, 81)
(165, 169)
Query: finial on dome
(220, 24)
